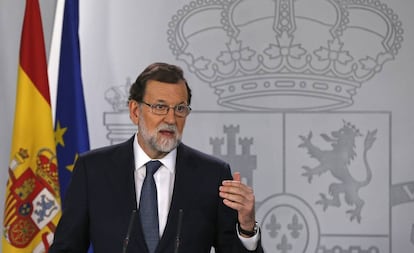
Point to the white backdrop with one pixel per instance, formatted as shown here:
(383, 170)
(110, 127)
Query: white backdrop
(264, 76)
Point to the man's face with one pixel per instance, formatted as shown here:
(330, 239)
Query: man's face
(159, 134)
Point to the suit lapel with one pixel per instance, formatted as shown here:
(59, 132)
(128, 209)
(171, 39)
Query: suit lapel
(121, 175)
(122, 180)
(184, 184)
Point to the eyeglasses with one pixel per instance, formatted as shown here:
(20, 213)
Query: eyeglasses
(181, 110)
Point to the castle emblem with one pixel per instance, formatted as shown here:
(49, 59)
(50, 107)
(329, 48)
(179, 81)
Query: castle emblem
(281, 56)
(337, 161)
(245, 162)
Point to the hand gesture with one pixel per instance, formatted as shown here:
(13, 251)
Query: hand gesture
(240, 197)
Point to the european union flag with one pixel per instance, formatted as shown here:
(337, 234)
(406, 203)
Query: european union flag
(71, 128)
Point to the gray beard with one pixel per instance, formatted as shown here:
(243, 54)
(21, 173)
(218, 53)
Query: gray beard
(164, 145)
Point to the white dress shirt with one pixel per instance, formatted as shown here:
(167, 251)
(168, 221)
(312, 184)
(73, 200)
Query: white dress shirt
(164, 179)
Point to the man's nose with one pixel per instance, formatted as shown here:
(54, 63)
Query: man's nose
(170, 116)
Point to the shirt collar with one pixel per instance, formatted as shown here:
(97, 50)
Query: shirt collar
(141, 158)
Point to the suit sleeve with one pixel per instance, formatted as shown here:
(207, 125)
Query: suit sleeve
(71, 234)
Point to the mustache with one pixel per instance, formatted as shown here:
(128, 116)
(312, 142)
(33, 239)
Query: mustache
(167, 127)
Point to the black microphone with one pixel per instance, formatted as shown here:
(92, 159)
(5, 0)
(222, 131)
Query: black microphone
(131, 223)
(178, 235)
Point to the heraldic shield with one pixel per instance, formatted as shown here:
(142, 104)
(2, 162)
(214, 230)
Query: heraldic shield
(31, 201)
(316, 171)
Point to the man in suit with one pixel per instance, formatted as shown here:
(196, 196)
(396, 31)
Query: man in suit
(198, 205)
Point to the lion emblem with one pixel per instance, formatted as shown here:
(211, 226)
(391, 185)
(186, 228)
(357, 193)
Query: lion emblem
(337, 160)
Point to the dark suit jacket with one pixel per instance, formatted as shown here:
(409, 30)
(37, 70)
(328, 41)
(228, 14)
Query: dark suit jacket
(101, 197)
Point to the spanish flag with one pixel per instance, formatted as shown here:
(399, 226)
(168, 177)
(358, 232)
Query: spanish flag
(32, 207)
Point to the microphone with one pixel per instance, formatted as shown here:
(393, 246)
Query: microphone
(178, 235)
(131, 223)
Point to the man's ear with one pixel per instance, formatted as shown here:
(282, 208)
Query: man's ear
(133, 111)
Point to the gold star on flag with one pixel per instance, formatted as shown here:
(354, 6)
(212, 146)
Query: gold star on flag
(71, 166)
(59, 132)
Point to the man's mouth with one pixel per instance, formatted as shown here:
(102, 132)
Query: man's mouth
(167, 133)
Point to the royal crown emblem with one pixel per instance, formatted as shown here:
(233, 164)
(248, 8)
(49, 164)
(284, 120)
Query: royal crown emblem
(285, 55)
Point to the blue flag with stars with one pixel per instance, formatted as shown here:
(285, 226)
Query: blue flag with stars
(71, 128)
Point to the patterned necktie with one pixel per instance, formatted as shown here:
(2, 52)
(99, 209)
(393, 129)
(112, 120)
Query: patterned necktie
(148, 207)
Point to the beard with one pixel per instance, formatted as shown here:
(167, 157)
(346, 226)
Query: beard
(159, 143)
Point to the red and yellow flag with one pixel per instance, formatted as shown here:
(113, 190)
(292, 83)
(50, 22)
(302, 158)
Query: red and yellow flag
(32, 205)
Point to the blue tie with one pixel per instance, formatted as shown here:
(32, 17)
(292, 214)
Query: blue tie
(148, 207)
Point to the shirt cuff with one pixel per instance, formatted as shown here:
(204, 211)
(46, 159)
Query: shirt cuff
(251, 242)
